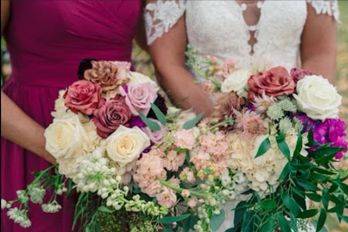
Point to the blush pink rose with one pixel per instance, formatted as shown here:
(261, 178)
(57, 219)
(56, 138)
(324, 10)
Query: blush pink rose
(139, 97)
(83, 96)
(274, 82)
(167, 198)
(111, 115)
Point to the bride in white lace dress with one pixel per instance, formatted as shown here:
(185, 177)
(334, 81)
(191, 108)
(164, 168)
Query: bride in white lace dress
(299, 33)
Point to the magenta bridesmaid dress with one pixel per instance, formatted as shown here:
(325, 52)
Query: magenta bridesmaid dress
(46, 40)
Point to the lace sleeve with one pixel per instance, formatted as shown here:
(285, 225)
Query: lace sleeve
(329, 7)
(160, 16)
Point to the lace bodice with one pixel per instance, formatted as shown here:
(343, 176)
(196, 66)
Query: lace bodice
(218, 28)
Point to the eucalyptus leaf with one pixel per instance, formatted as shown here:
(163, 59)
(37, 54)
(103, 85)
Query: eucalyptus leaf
(171, 219)
(152, 125)
(217, 220)
(159, 115)
(192, 122)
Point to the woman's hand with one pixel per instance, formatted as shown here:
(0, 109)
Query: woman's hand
(318, 48)
(168, 54)
(19, 128)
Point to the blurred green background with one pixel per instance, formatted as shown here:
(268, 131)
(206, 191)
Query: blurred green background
(143, 64)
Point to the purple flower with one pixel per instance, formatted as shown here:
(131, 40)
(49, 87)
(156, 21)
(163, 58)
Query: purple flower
(136, 121)
(332, 131)
(307, 123)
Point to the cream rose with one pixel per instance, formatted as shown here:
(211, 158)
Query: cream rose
(237, 82)
(126, 144)
(317, 97)
(65, 137)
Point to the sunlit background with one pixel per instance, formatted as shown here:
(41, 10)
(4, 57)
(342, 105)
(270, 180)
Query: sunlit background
(143, 64)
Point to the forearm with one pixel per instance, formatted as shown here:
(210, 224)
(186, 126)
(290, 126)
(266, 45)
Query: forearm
(322, 64)
(183, 91)
(19, 128)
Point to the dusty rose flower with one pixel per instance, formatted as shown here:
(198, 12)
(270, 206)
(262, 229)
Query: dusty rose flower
(111, 115)
(185, 138)
(139, 97)
(274, 82)
(167, 198)
(109, 75)
(174, 160)
(185, 193)
(226, 104)
(83, 96)
(250, 123)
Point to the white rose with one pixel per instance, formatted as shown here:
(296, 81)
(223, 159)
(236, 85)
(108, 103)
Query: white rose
(65, 137)
(237, 82)
(138, 78)
(126, 144)
(317, 97)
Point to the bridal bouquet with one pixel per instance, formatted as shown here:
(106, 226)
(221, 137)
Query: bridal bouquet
(101, 127)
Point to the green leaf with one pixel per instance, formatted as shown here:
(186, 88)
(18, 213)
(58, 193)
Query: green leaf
(344, 188)
(192, 122)
(308, 186)
(171, 219)
(291, 204)
(283, 147)
(308, 213)
(286, 170)
(268, 204)
(105, 209)
(323, 171)
(152, 125)
(321, 220)
(325, 198)
(159, 115)
(264, 147)
(217, 220)
(298, 147)
(239, 213)
(268, 226)
(284, 224)
(314, 197)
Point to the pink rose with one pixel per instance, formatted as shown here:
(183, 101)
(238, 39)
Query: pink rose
(111, 115)
(274, 82)
(83, 96)
(156, 136)
(139, 97)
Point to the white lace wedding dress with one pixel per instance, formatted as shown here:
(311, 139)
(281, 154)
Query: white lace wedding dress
(218, 28)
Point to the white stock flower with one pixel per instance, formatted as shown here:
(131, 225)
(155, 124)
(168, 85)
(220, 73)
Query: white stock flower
(65, 137)
(126, 144)
(237, 82)
(317, 97)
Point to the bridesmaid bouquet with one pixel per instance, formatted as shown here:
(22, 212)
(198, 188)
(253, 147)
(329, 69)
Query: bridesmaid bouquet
(103, 123)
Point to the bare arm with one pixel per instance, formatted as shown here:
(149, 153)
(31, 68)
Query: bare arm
(16, 126)
(318, 49)
(168, 54)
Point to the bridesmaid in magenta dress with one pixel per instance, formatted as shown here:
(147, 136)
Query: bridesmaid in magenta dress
(46, 40)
